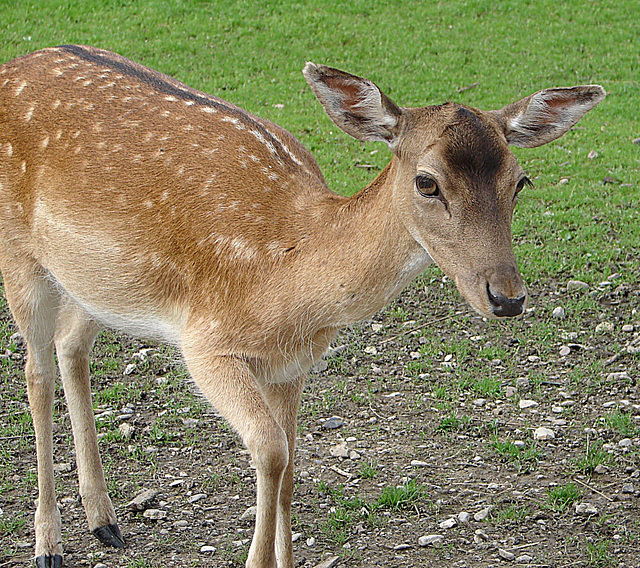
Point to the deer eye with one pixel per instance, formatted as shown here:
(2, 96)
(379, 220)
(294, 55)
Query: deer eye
(524, 181)
(427, 186)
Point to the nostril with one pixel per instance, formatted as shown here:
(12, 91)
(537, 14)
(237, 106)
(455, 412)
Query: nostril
(505, 307)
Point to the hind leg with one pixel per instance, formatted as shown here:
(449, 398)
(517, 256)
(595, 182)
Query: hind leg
(74, 337)
(34, 304)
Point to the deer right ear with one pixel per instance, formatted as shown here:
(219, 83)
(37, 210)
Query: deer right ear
(547, 115)
(355, 104)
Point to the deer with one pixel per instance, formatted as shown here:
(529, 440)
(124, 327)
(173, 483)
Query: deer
(131, 201)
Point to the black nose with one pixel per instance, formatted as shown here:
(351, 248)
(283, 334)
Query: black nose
(504, 307)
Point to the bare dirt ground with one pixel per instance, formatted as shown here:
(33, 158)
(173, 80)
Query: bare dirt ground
(429, 399)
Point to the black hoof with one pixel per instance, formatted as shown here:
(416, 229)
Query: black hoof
(109, 534)
(49, 561)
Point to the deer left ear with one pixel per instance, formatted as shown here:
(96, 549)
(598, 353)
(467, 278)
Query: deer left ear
(355, 104)
(547, 115)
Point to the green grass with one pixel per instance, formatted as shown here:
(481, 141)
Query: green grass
(403, 497)
(523, 458)
(562, 497)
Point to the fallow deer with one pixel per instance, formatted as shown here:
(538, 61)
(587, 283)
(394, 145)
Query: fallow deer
(130, 200)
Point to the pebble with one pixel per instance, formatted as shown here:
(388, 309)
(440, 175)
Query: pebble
(523, 383)
(181, 524)
(519, 444)
(483, 514)
(311, 541)
(574, 285)
(625, 443)
(100, 565)
(619, 376)
(403, 546)
(197, 497)
(329, 562)
(628, 328)
(339, 451)
(376, 327)
(130, 368)
(155, 514)
(250, 513)
(564, 351)
(295, 537)
(600, 469)
(586, 509)
(505, 554)
(430, 539)
(371, 350)
(510, 391)
(333, 423)
(628, 488)
(604, 327)
(524, 559)
(448, 524)
(558, 312)
(543, 434)
(524, 404)
(464, 517)
(418, 463)
(142, 500)
(126, 430)
(207, 548)
(62, 467)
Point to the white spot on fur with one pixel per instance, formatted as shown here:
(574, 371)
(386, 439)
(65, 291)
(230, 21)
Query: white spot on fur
(189, 103)
(208, 109)
(165, 195)
(20, 88)
(45, 142)
(29, 114)
(170, 98)
(55, 104)
(148, 203)
(230, 119)
(23, 166)
(9, 149)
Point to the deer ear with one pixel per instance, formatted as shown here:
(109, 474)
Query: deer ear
(356, 105)
(547, 115)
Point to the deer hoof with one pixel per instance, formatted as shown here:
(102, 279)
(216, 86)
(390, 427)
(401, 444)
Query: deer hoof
(109, 534)
(49, 561)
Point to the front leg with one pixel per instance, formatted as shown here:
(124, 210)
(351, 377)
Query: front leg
(232, 389)
(284, 400)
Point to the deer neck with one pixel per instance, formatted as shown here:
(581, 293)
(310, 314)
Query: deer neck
(371, 254)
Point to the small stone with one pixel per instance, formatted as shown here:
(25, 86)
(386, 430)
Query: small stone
(600, 469)
(510, 391)
(506, 555)
(143, 500)
(483, 514)
(130, 368)
(62, 467)
(333, 423)
(329, 562)
(620, 376)
(480, 402)
(592, 155)
(249, 514)
(100, 565)
(353, 455)
(574, 285)
(181, 524)
(448, 524)
(519, 444)
(376, 327)
(295, 537)
(523, 384)
(524, 559)
(628, 328)
(625, 443)
(586, 509)
(558, 313)
(126, 430)
(403, 546)
(197, 497)
(464, 517)
(418, 463)
(155, 514)
(371, 350)
(543, 434)
(604, 327)
(628, 488)
(311, 541)
(524, 404)
(564, 351)
(430, 539)
(190, 422)
(207, 548)
(339, 451)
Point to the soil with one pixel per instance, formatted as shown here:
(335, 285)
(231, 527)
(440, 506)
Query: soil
(415, 419)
